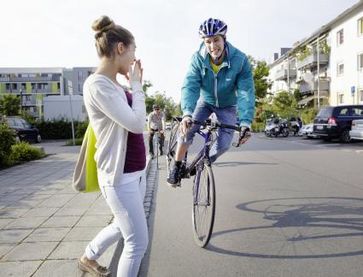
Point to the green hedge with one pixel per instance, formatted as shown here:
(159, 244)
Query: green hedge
(23, 152)
(61, 129)
(7, 140)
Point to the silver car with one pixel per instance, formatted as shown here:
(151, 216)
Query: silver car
(357, 129)
(307, 131)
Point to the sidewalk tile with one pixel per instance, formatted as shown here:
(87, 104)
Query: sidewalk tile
(14, 235)
(12, 213)
(56, 201)
(26, 222)
(94, 221)
(41, 212)
(5, 221)
(59, 268)
(71, 211)
(5, 248)
(69, 250)
(30, 251)
(21, 269)
(82, 233)
(60, 221)
(47, 234)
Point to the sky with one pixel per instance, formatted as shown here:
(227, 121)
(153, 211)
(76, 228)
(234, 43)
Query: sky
(50, 33)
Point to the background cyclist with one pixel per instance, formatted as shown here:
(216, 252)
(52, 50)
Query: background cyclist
(156, 122)
(219, 80)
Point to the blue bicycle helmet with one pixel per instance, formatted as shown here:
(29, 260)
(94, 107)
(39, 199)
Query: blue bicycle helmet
(212, 27)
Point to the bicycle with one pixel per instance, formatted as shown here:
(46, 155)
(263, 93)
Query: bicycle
(204, 196)
(156, 142)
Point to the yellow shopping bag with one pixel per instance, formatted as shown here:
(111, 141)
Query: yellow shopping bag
(85, 173)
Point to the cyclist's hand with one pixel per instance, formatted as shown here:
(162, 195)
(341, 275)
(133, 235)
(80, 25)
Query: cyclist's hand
(185, 125)
(161, 131)
(244, 134)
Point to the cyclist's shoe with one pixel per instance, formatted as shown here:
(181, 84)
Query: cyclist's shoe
(152, 156)
(193, 171)
(161, 152)
(174, 178)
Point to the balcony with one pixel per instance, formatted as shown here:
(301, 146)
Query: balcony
(282, 74)
(312, 61)
(307, 88)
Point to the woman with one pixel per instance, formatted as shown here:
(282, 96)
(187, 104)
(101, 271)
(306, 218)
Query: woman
(118, 118)
(219, 81)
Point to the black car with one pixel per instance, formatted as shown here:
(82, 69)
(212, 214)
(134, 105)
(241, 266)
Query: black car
(336, 122)
(24, 131)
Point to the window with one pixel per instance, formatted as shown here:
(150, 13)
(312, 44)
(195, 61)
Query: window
(360, 26)
(344, 111)
(7, 86)
(360, 62)
(357, 111)
(341, 98)
(340, 37)
(14, 86)
(340, 69)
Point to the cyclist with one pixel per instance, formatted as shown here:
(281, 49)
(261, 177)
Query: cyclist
(219, 81)
(156, 122)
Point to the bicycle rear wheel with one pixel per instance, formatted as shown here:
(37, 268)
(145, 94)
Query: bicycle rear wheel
(204, 204)
(172, 143)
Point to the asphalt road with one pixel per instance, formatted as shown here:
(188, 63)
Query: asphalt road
(285, 207)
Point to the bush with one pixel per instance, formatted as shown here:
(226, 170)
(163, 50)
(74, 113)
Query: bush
(23, 151)
(308, 115)
(61, 129)
(81, 128)
(7, 140)
(258, 126)
(78, 141)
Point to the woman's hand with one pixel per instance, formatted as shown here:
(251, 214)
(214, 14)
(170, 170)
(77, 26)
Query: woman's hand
(135, 72)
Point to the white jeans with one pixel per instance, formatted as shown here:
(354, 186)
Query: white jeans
(126, 203)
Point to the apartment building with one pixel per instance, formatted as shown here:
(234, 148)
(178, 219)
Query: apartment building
(33, 84)
(326, 67)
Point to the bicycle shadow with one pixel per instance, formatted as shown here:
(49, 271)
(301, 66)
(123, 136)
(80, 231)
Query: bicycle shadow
(302, 228)
(234, 164)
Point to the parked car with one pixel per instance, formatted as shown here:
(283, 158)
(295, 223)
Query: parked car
(357, 129)
(307, 131)
(335, 122)
(24, 131)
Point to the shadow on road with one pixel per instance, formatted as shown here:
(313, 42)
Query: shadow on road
(297, 228)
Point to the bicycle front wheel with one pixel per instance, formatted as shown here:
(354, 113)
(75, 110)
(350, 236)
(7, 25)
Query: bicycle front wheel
(204, 205)
(172, 143)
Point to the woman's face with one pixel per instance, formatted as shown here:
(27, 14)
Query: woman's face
(126, 57)
(215, 46)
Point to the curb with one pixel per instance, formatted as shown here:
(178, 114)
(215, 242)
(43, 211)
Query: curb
(147, 207)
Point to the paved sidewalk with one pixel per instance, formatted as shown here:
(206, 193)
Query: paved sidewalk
(44, 224)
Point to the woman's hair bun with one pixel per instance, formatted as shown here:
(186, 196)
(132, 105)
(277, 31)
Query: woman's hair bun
(102, 24)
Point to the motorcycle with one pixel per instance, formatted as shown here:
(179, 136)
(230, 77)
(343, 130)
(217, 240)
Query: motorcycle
(276, 127)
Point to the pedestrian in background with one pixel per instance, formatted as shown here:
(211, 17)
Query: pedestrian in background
(118, 118)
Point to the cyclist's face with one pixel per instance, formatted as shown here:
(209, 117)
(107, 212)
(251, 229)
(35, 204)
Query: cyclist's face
(215, 46)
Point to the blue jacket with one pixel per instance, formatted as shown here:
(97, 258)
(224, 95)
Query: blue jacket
(232, 85)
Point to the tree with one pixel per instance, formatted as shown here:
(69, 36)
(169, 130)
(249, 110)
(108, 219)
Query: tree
(284, 104)
(9, 104)
(260, 74)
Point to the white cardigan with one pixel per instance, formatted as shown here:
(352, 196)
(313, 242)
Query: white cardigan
(111, 118)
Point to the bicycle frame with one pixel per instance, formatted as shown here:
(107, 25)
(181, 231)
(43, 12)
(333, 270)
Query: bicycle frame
(204, 152)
